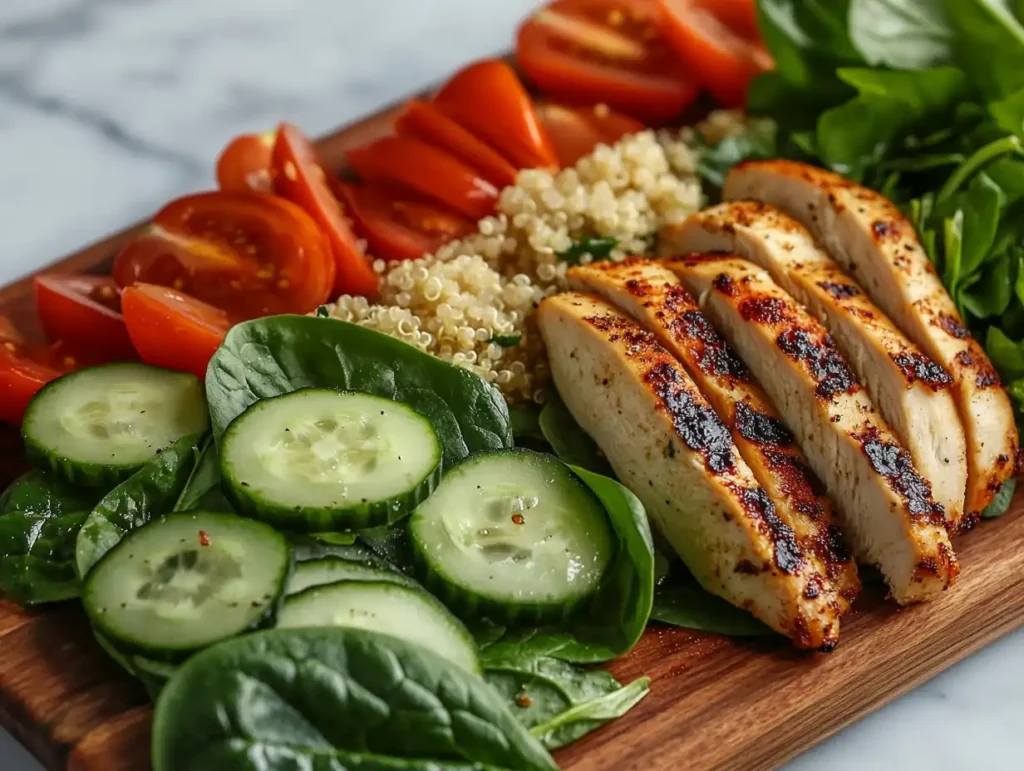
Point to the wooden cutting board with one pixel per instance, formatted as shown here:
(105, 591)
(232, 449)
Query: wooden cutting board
(715, 703)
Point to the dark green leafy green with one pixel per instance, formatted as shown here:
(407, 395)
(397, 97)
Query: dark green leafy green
(1001, 503)
(332, 699)
(988, 45)
(39, 521)
(525, 419)
(596, 247)
(757, 140)
(279, 354)
(507, 341)
(568, 440)
(686, 604)
(561, 702)
(202, 492)
(150, 492)
(902, 34)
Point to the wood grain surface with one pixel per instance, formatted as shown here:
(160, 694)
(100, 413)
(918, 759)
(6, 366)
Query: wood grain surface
(715, 703)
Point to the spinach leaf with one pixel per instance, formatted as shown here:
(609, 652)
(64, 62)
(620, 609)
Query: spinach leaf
(1008, 112)
(568, 439)
(990, 295)
(988, 44)
(560, 702)
(203, 492)
(37, 554)
(902, 34)
(1006, 355)
(525, 419)
(152, 674)
(334, 698)
(686, 604)
(1001, 503)
(808, 39)
(757, 140)
(597, 247)
(279, 354)
(150, 492)
(39, 521)
(43, 495)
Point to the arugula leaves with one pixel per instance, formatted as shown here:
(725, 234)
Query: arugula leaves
(902, 34)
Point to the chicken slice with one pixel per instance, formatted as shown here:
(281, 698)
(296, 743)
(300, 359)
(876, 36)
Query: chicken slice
(886, 509)
(912, 392)
(655, 297)
(869, 237)
(667, 445)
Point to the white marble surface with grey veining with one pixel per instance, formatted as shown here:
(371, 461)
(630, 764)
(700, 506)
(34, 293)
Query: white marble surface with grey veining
(108, 108)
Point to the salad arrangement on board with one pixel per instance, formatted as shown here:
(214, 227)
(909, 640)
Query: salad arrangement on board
(378, 471)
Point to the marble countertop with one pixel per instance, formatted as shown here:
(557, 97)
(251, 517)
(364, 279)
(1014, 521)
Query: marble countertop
(109, 108)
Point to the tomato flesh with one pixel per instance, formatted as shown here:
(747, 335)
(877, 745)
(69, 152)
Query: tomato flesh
(488, 99)
(401, 228)
(251, 254)
(576, 131)
(605, 51)
(245, 163)
(718, 43)
(170, 329)
(412, 165)
(24, 369)
(84, 312)
(422, 120)
(299, 176)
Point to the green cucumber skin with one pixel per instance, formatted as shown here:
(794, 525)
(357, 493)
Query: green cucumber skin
(473, 607)
(93, 475)
(308, 519)
(265, 621)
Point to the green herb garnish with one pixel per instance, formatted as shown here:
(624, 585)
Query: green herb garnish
(599, 248)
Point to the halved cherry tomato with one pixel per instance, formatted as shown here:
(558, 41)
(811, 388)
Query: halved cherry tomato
(252, 254)
(400, 228)
(245, 163)
(720, 44)
(170, 329)
(606, 51)
(422, 120)
(576, 131)
(488, 99)
(24, 369)
(413, 165)
(299, 176)
(84, 312)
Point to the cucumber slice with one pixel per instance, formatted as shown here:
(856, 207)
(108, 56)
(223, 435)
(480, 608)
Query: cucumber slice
(513, 535)
(186, 581)
(318, 460)
(98, 426)
(382, 606)
(330, 570)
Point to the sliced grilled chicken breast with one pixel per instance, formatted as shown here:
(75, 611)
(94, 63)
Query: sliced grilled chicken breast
(871, 239)
(667, 445)
(655, 297)
(912, 391)
(887, 510)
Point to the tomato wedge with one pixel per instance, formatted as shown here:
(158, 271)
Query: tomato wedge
(422, 120)
(410, 164)
(576, 131)
(400, 228)
(488, 99)
(170, 329)
(245, 163)
(299, 176)
(720, 44)
(24, 369)
(84, 312)
(605, 51)
(252, 254)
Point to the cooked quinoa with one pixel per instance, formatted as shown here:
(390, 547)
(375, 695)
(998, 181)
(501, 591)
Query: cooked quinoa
(472, 302)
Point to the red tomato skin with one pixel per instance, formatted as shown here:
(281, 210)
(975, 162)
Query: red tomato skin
(657, 96)
(488, 99)
(24, 369)
(394, 238)
(422, 120)
(426, 170)
(172, 330)
(576, 131)
(89, 329)
(253, 254)
(301, 178)
(245, 163)
(722, 58)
